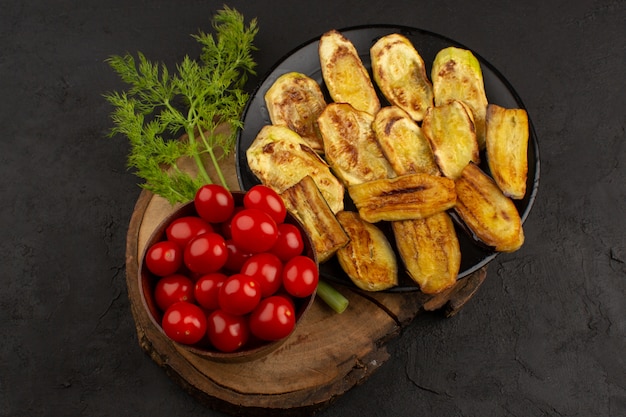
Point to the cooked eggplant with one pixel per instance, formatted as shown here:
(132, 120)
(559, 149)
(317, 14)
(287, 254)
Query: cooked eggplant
(296, 100)
(403, 143)
(400, 73)
(368, 259)
(507, 147)
(305, 201)
(350, 145)
(412, 196)
(430, 251)
(456, 75)
(450, 131)
(345, 76)
(280, 158)
(487, 212)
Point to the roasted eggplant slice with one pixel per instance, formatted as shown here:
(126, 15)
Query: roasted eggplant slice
(507, 147)
(368, 259)
(399, 72)
(350, 145)
(487, 212)
(345, 76)
(305, 201)
(450, 131)
(296, 100)
(412, 196)
(403, 143)
(456, 75)
(280, 158)
(430, 251)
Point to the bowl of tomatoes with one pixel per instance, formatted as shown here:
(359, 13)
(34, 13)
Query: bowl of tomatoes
(229, 275)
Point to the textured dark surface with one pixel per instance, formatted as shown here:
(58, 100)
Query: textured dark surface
(544, 336)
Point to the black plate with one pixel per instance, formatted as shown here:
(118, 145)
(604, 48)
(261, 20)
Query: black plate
(305, 59)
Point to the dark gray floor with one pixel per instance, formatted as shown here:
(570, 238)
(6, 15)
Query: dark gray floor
(545, 335)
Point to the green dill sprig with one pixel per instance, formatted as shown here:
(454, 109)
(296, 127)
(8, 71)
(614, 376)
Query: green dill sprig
(160, 106)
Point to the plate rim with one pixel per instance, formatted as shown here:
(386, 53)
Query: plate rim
(403, 29)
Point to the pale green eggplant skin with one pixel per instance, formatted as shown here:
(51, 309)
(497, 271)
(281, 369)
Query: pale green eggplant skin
(456, 75)
(400, 73)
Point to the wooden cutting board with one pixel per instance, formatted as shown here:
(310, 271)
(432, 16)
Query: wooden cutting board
(328, 353)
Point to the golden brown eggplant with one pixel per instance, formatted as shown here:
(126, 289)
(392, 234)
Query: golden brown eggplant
(345, 76)
(403, 143)
(400, 73)
(456, 75)
(296, 100)
(368, 259)
(350, 145)
(507, 147)
(487, 212)
(430, 251)
(450, 131)
(412, 196)
(280, 158)
(305, 201)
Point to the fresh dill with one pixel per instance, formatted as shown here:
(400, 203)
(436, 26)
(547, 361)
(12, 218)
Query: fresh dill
(161, 106)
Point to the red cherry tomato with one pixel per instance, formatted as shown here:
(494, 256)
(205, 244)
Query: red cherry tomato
(183, 229)
(239, 294)
(265, 199)
(289, 242)
(224, 227)
(254, 230)
(300, 276)
(236, 256)
(171, 289)
(227, 332)
(266, 268)
(273, 319)
(164, 258)
(207, 288)
(185, 323)
(206, 253)
(214, 203)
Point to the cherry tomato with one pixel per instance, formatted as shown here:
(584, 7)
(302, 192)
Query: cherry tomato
(225, 227)
(227, 332)
(239, 294)
(207, 288)
(183, 229)
(254, 230)
(214, 203)
(236, 256)
(206, 253)
(266, 268)
(273, 319)
(171, 289)
(265, 199)
(300, 276)
(164, 258)
(289, 242)
(184, 322)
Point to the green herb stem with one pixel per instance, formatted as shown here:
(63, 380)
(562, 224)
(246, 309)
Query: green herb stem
(332, 297)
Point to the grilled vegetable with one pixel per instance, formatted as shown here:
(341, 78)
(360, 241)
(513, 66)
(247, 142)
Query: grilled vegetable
(507, 147)
(368, 258)
(400, 74)
(456, 75)
(412, 196)
(403, 143)
(430, 251)
(488, 213)
(450, 131)
(305, 201)
(345, 76)
(280, 158)
(350, 145)
(296, 100)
